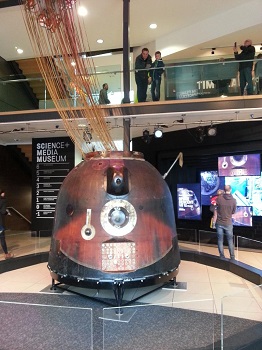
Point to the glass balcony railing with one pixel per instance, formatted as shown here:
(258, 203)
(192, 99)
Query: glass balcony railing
(180, 80)
(247, 251)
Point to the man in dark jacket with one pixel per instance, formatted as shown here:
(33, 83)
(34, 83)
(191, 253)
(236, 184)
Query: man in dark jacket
(103, 99)
(142, 64)
(155, 75)
(226, 206)
(245, 68)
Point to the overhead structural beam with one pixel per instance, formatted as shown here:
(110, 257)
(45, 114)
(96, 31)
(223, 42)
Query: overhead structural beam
(126, 72)
(126, 51)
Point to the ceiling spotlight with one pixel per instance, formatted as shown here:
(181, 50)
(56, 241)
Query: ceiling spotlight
(153, 26)
(100, 41)
(200, 134)
(212, 130)
(19, 51)
(158, 133)
(146, 136)
(82, 11)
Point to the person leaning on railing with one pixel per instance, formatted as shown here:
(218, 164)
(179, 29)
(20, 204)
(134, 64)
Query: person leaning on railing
(245, 68)
(155, 75)
(142, 64)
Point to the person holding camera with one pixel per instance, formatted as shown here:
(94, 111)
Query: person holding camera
(245, 68)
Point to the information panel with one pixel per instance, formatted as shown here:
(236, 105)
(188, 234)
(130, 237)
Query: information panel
(52, 160)
(189, 201)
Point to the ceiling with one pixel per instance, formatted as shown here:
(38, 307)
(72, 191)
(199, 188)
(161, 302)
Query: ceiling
(104, 20)
(186, 30)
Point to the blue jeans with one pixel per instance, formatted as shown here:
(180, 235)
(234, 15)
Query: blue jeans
(245, 76)
(228, 231)
(3, 242)
(155, 89)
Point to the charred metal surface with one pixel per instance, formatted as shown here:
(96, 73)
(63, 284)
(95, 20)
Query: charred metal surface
(114, 221)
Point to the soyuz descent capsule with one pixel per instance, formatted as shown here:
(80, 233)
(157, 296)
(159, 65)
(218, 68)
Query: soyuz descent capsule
(114, 223)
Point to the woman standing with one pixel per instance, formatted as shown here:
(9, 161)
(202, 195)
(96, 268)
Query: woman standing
(3, 212)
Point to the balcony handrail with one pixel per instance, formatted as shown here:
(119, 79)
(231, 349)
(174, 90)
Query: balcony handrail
(19, 214)
(134, 70)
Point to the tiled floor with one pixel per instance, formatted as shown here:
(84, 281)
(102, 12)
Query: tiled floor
(207, 288)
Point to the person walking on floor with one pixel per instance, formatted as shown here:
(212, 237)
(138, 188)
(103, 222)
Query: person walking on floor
(155, 75)
(3, 212)
(142, 63)
(245, 68)
(225, 206)
(103, 98)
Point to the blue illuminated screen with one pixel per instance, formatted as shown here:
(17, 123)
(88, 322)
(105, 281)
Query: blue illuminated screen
(243, 216)
(239, 165)
(210, 183)
(189, 201)
(248, 191)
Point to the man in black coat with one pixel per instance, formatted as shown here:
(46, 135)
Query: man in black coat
(245, 68)
(142, 64)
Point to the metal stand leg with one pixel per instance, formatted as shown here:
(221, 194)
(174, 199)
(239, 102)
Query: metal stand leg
(173, 284)
(119, 293)
(53, 285)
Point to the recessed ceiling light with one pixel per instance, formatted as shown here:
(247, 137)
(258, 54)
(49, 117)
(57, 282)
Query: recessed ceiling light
(82, 11)
(100, 41)
(153, 26)
(73, 63)
(19, 51)
(103, 54)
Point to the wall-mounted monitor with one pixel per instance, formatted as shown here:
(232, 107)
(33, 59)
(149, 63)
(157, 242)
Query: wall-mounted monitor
(243, 216)
(248, 191)
(210, 183)
(189, 201)
(239, 165)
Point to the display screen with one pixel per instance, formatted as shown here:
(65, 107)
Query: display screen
(188, 201)
(210, 183)
(242, 216)
(239, 165)
(248, 191)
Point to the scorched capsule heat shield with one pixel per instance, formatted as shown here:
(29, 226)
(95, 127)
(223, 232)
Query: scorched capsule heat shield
(114, 221)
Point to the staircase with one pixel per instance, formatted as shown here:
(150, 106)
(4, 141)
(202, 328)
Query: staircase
(30, 70)
(27, 151)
